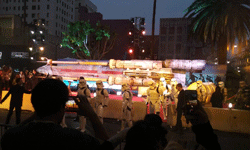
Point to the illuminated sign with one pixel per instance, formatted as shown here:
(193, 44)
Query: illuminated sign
(19, 55)
(185, 64)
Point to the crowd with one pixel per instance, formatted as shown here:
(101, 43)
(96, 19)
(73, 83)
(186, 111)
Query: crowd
(43, 130)
(8, 78)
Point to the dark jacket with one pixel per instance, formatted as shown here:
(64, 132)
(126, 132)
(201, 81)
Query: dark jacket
(181, 100)
(16, 95)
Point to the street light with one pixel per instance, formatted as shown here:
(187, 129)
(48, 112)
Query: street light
(30, 48)
(42, 58)
(41, 32)
(143, 51)
(32, 32)
(130, 33)
(143, 32)
(130, 51)
(41, 48)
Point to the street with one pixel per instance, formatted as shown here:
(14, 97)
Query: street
(227, 140)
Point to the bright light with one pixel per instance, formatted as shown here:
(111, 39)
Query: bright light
(130, 51)
(230, 105)
(228, 61)
(118, 93)
(143, 51)
(43, 40)
(216, 63)
(238, 70)
(33, 40)
(94, 94)
(41, 32)
(143, 32)
(129, 33)
(42, 58)
(139, 95)
(31, 58)
(32, 32)
(30, 48)
(235, 46)
(41, 48)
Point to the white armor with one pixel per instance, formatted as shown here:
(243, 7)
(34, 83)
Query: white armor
(153, 98)
(174, 92)
(126, 106)
(223, 90)
(164, 91)
(101, 99)
(83, 91)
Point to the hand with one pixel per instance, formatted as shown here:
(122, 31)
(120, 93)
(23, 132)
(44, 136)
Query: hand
(84, 105)
(199, 116)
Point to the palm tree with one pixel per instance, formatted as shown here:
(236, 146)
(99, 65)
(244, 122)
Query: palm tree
(220, 22)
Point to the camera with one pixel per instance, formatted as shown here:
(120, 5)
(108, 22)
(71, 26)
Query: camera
(191, 101)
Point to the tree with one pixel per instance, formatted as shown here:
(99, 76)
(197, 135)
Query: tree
(88, 42)
(220, 22)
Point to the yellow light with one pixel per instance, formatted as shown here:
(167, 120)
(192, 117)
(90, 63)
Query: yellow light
(41, 48)
(30, 48)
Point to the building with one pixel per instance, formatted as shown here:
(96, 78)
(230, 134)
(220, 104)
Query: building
(120, 26)
(174, 42)
(57, 13)
(14, 43)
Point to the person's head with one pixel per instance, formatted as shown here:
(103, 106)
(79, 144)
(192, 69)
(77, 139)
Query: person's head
(221, 84)
(147, 134)
(151, 84)
(49, 98)
(82, 83)
(173, 82)
(125, 87)
(242, 84)
(199, 84)
(99, 84)
(19, 81)
(179, 87)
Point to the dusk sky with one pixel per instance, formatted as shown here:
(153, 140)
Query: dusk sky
(125, 9)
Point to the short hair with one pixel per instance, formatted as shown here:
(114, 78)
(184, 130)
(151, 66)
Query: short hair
(18, 80)
(179, 85)
(49, 96)
(146, 134)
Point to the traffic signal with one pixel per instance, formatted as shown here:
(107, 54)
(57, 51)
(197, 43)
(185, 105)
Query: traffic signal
(142, 21)
(130, 51)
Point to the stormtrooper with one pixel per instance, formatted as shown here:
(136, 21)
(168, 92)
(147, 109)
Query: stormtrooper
(165, 92)
(223, 90)
(126, 106)
(101, 99)
(174, 92)
(83, 91)
(153, 98)
(201, 93)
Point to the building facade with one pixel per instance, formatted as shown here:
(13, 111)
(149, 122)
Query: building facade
(174, 42)
(14, 43)
(57, 13)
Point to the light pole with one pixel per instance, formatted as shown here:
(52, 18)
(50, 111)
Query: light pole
(153, 32)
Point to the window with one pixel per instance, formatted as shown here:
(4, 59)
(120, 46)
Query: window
(179, 30)
(38, 7)
(33, 7)
(56, 24)
(18, 7)
(33, 0)
(14, 8)
(179, 38)
(178, 48)
(163, 30)
(48, 6)
(47, 14)
(171, 30)
(56, 32)
(171, 38)
(33, 15)
(56, 8)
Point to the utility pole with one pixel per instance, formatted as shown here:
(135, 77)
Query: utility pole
(153, 32)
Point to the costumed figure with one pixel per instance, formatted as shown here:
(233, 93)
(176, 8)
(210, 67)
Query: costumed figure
(201, 94)
(83, 91)
(153, 98)
(242, 96)
(171, 115)
(165, 92)
(126, 106)
(223, 90)
(101, 99)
